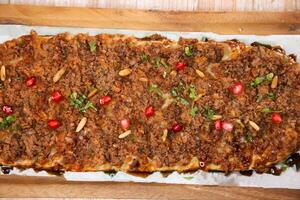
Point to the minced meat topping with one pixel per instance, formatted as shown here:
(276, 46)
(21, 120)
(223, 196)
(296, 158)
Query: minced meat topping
(81, 103)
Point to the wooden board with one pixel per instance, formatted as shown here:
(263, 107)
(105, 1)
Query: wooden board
(14, 186)
(176, 5)
(224, 23)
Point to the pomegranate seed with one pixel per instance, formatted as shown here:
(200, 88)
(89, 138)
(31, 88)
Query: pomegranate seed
(176, 128)
(276, 118)
(31, 81)
(149, 111)
(53, 123)
(227, 126)
(56, 96)
(218, 124)
(202, 164)
(7, 110)
(180, 66)
(237, 88)
(125, 123)
(105, 100)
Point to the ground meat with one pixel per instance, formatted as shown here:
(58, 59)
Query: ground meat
(188, 83)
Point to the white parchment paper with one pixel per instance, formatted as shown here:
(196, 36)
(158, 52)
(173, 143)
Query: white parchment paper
(288, 179)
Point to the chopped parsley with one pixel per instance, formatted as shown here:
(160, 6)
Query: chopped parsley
(81, 103)
(248, 138)
(20, 78)
(7, 121)
(162, 61)
(266, 110)
(145, 57)
(269, 76)
(157, 61)
(154, 89)
(194, 110)
(282, 166)
(174, 92)
(188, 50)
(93, 46)
(271, 96)
(257, 81)
(192, 92)
(183, 101)
(259, 98)
(208, 112)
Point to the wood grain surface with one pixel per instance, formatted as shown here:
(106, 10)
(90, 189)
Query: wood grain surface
(222, 22)
(175, 5)
(15, 186)
(225, 23)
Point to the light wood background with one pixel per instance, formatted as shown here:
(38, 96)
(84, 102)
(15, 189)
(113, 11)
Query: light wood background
(176, 5)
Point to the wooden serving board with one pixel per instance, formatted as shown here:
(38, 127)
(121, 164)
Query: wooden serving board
(223, 23)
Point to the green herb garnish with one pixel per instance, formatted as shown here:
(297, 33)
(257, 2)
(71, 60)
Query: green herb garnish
(271, 96)
(208, 112)
(174, 92)
(194, 110)
(188, 50)
(259, 98)
(81, 103)
(282, 166)
(154, 89)
(15, 127)
(157, 61)
(257, 81)
(192, 92)
(93, 46)
(183, 101)
(7, 121)
(269, 76)
(19, 78)
(248, 138)
(162, 61)
(145, 57)
(266, 110)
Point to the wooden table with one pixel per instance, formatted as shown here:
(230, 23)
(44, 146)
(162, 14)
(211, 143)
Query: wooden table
(224, 23)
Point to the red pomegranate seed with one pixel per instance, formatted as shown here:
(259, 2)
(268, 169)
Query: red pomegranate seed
(7, 110)
(237, 88)
(105, 100)
(202, 164)
(149, 111)
(218, 124)
(31, 81)
(176, 128)
(180, 66)
(56, 96)
(53, 123)
(125, 123)
(276, 118)
(227, 126)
